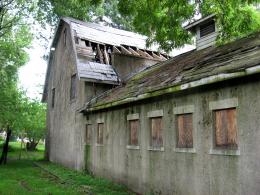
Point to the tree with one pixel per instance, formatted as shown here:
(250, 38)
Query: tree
(88, 10)
(32, 122)
(162, 21)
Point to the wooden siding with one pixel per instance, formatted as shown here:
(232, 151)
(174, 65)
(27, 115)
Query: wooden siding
(134, 125)
(226, 128)
(156, 132)
(185, 138)
(206, 41)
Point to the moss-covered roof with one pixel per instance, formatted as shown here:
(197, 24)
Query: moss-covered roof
(190, 69)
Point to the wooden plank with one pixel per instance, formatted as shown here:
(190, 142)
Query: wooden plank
(106, 56)
(116, 50)
(125, 51)
(144, 54)
(185, 137)
(100, 55)
(226, 128)
(133, 52)
(156, 132)
(134, 132)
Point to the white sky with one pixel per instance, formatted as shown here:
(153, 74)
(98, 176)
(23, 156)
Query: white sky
(32, 75)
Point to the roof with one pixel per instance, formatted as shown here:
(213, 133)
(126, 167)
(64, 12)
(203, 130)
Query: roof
(107, 35)
(199, 22)
(92, 71)
(192, 69)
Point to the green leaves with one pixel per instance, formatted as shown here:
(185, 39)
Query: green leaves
(162, 21)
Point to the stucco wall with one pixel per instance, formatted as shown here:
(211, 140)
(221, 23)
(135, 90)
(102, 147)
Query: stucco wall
(174, 172)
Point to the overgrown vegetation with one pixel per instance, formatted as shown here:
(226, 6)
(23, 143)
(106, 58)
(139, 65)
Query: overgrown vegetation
(31, 175)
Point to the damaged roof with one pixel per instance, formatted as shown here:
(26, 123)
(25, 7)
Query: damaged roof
(188, 70)
(92, 71)
(107, 35)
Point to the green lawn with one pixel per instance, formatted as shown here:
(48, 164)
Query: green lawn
(30, 175)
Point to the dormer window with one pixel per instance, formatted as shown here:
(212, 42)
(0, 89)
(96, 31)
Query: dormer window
(207, 28)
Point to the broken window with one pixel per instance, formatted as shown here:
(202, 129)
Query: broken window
(73, 87)
(52, 97)
(133, 137)
(88, 133)
(100, 131)
(184, 131)
(156, 132)
(226, 128)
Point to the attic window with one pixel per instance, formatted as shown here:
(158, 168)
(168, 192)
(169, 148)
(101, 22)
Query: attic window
(207, 28)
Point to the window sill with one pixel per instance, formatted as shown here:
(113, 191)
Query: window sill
(159, 149)
(99, 145)
(225, 152)
(185, 150)
(131, 147)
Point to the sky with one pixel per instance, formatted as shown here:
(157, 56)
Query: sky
(32, 74)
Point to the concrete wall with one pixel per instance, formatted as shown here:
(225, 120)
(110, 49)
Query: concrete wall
(198, 171)
(65, 125)
(126, 65)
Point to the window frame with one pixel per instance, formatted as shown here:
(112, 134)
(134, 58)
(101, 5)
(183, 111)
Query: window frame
(223, 105)
(133, 117)
(181, 110)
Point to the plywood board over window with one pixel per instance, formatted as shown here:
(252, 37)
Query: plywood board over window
(156, 132)
(100, 133)
(184, 134)
(226, 128)
(133, 138)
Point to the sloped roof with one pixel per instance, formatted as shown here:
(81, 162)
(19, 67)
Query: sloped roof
(92, 71)
(107, 35)
(192, 69)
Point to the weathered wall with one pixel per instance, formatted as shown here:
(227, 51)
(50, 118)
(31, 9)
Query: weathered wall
(65, 125)
(172, 172)
(95, 89)
(125, 65)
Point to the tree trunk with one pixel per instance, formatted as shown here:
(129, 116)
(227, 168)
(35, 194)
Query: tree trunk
(31, 146)
(3, 158)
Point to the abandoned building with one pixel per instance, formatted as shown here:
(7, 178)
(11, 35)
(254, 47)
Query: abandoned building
(189, 124)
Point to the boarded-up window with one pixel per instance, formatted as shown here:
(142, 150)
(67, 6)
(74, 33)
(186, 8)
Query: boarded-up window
(133, 137)
(226, 128)
(184, 134)
(207, 28)
(100, 131)
(156, 132)
(53, 97)
(88, 133)
(73, 87)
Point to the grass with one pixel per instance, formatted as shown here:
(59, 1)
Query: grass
(30, 175)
